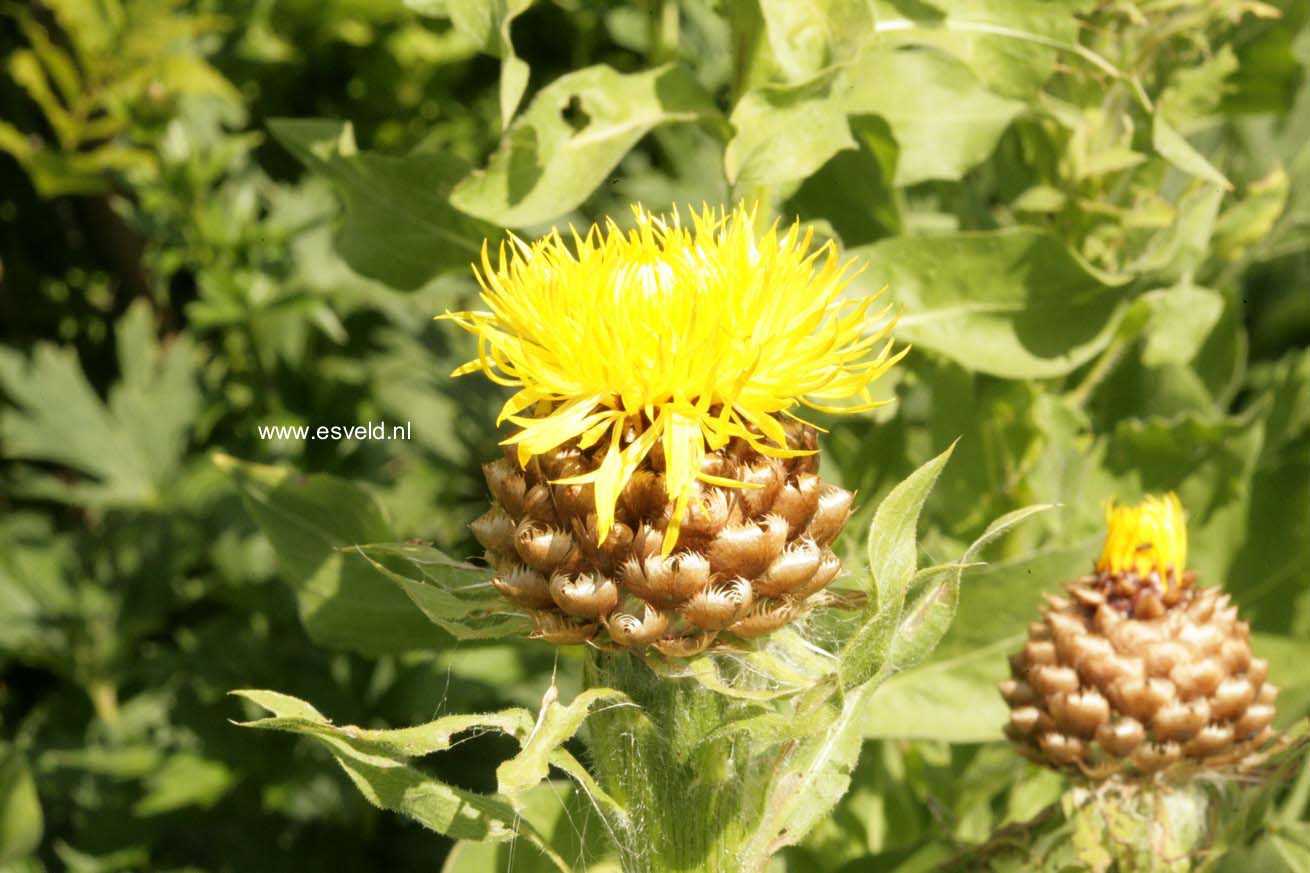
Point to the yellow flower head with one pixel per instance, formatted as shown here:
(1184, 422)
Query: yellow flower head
(1149, 537)
(669, 335)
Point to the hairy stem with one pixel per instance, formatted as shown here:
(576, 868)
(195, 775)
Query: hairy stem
(690, 798)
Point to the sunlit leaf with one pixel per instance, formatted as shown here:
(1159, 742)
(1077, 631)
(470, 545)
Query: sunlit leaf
(571, 136)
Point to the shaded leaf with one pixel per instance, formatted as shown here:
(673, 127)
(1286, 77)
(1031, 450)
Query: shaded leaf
(130, 446)
(400, 226)
(341, 601)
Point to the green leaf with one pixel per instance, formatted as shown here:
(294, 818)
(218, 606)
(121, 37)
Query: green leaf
(132, 446)
(927, 619)
(454, 595)
(400, 226)
(342, 602)
(556, 724)
(1011, 303)
(892, 543)
(785, 132)
(811, 778)
(298, 716)
(486, 23)
(28, 72)
(184, 780)
(807, 37)
(892, 547)
(371, 761)
(1011, 45)
(21, 821)
(1181, 319)
(1249, 221)
(1175, 149)
(942, 117)
(1182, 247)
(571, 136)
(562, 813)
(952, 700)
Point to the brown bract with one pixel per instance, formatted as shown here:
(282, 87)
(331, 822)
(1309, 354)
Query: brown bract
(748, 561)
(1109, 683)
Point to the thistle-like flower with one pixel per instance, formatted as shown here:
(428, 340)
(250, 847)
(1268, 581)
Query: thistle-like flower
(660, 489)
(1137, 671)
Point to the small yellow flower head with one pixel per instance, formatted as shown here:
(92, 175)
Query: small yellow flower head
(671, 336)
(1150, 537)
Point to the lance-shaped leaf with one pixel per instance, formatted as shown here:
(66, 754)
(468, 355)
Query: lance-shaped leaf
(925, 622)
(457, 596)
(810, 777)
(376, 762)
(891, 548)
(342, 603)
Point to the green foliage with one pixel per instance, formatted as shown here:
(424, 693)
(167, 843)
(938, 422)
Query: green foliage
(1094, 221)
(100, 94)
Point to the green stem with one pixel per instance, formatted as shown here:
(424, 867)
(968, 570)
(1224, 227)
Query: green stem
(1102, 368)
(690, 799)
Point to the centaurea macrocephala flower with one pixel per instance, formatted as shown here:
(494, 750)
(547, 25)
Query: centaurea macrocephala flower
(700, 333)
(659, 371)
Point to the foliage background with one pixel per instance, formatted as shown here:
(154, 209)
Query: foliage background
(1095, 216)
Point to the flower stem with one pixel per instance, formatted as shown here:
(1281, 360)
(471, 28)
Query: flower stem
(691, 797)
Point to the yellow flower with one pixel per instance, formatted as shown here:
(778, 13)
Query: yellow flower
(681, 337)
(1150, 537)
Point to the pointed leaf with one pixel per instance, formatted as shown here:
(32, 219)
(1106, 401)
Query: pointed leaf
(1175, 149)
(891, 546)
